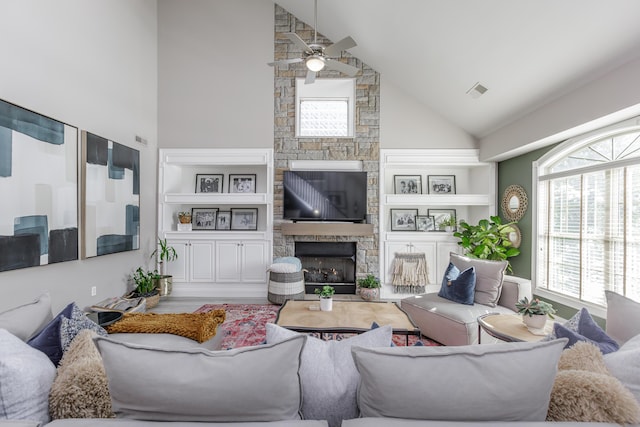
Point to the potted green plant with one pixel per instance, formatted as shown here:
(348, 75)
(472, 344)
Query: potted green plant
(145, 286)
(449, 223)
(165, 253)
(535, 312)
(369, 287)
(487, 240)
(326, 297)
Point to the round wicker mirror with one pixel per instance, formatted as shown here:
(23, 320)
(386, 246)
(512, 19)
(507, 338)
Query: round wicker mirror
(514, 202)
(515, 236)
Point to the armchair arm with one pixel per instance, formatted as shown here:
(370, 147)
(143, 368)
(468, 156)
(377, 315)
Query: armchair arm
(514, 289)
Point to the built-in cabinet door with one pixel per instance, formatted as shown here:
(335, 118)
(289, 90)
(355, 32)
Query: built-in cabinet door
(201, 255)
(254, 261)
(228, 262)
(179, 268)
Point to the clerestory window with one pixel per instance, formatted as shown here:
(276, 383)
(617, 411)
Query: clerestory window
(325, 109)
(588, 216)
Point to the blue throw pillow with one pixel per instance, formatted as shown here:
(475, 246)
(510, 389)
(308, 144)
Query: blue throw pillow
(458, 286)
(589, 331)
(55, 338)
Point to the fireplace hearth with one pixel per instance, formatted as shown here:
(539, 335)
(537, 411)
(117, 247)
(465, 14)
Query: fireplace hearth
(328, 263)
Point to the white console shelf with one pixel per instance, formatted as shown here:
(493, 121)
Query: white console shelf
(474, 199)
(216, 263)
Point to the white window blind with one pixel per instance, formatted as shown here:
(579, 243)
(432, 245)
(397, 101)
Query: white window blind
(588, 218)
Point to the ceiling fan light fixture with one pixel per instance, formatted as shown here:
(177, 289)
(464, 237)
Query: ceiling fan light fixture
(315, 63)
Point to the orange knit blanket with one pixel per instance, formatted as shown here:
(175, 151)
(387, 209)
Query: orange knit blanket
(197, 326)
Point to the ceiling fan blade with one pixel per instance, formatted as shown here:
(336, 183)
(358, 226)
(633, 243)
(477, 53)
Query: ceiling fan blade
(285, 61)
(311, 77)
(336, 48)
(299, 42)
(347, 69)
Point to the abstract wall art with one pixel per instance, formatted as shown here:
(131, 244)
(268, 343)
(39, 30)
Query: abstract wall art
(38, 189)
(110, 196)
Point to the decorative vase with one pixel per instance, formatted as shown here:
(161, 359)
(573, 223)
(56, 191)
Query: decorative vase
(537, 321)
(369, 294)
(326, 304)
(164, 285)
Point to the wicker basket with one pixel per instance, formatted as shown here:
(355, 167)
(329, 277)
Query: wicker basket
(284, 286)
(152, 301)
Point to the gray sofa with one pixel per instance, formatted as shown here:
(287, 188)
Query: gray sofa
(190, 386)
(451, 323)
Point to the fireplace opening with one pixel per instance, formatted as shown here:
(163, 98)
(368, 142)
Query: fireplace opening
(328, 263)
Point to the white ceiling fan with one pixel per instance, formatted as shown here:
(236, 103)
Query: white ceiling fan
(316, 56)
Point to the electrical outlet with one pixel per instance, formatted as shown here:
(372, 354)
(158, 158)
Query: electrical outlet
(94, 291)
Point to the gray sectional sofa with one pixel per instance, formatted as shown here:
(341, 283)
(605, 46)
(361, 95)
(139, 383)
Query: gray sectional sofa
(360, 381)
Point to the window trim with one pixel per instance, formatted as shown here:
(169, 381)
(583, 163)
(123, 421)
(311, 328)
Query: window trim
(563, 149)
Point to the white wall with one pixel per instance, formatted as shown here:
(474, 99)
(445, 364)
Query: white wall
(611, 98)
(91, 64)
(215, 88)
(406, 123)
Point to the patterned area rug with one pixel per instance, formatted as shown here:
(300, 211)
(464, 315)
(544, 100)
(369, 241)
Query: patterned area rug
(245, 325)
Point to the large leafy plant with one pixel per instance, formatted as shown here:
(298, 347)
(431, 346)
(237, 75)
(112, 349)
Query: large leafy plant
(487, 240)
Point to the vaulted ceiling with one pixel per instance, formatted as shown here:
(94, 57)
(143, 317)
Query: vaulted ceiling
(525, 52)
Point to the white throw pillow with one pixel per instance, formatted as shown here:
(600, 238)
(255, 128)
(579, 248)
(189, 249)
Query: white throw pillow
(623, 317)
(624, 364)
(26, 376)
(259, 383)
(489, 277)
(498, 382)
(328, 374)
(28, 319)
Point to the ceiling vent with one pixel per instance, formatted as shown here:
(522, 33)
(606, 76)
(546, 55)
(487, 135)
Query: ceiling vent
(476, 91)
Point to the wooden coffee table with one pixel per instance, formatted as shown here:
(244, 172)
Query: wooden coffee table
(346, 317)
(509, 327)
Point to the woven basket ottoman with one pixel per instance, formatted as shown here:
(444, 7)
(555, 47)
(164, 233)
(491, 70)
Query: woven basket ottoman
(284, 283)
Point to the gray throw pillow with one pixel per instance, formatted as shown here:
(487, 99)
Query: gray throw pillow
(498, 382)
(27, 320)
(26, 376)
(624, 364)
(258, 383)
(328, 374)
(623, 317)
(489, 277)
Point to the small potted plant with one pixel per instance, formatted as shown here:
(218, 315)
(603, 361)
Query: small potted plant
(535, 312)
(326, 297)
(165, 253)
(449, 224)
(184, 217)
(146, 286)
(369, 287)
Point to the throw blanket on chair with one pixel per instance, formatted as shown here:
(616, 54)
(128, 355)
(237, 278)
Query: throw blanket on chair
(197, 326)
(410, 274)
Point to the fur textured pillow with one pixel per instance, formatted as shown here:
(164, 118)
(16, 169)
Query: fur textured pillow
(585, 391)
(81, 388)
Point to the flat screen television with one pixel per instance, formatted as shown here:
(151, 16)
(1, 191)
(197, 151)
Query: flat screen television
(325, 196)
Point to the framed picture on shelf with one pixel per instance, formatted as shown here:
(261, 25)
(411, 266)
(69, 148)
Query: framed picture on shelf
(223, 221)
(441, 216)
(203, 218)
(441, 184)
(407, 184)
(403, 219)
(242, 183)
(244, 218)
(209, 183)
(425, 223)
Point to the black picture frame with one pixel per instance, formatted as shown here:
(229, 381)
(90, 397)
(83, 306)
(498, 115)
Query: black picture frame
(209, 183)
(441, 184)
(407, 184)
(244, 218)
(403, 219)
(223, 220)
(242, 183)
(203, 218)
(425, 223)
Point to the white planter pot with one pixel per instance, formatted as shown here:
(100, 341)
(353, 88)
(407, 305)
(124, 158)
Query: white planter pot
(537, 321)
(326, 304)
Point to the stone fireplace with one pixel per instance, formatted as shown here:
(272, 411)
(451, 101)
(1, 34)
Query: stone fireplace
(363, 147)
(328, 263)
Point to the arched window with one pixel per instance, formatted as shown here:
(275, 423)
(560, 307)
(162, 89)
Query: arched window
(588, 216)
